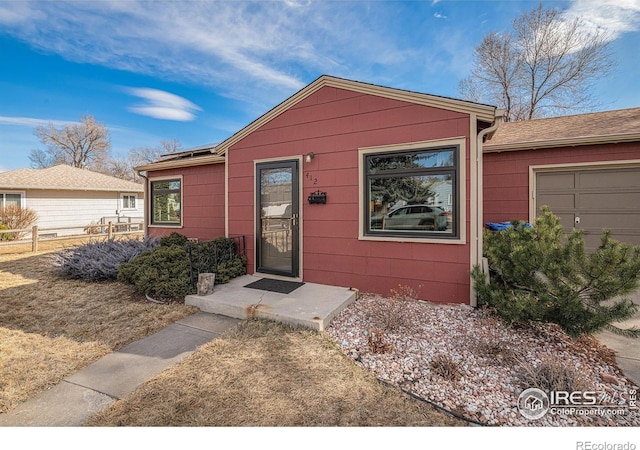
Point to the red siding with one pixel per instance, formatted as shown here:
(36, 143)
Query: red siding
(203, 201)
(334, 123)
(506, 174)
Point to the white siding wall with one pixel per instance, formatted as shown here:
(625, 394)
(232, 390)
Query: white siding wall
(59, 209)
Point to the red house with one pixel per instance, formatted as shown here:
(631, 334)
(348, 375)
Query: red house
(585, 167)
(357, 185)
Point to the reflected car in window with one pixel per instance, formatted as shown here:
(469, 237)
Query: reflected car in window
(413, 217)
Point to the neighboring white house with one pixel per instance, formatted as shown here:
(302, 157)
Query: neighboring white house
(65, 196)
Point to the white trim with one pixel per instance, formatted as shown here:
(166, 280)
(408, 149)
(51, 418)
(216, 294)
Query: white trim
(226, 197)
(563, 142)
(475, 204)
(300, 159)
(562, 167)
(460, 142)
(150, 202)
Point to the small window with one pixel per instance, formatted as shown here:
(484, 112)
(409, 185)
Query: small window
(166, 197)
(8, 199)
(129, 201)
(404, 192)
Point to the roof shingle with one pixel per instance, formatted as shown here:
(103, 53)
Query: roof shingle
(617, 125)
(64, 177)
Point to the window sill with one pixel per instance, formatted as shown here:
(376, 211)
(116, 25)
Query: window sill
(417, 240)
(165, 225)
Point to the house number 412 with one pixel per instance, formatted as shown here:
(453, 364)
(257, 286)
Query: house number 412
(310, 177)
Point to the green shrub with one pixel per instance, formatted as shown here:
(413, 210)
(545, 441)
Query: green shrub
(538, 275)
(5, 236)
(169, 272)
(162, 273)
(230, 269)
(174, 239)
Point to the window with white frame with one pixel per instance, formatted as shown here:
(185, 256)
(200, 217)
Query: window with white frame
(166, 198)
(11, 198)
(129, 201)
(404, 192)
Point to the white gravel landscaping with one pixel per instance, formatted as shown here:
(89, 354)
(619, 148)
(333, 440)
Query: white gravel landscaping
(465, 360)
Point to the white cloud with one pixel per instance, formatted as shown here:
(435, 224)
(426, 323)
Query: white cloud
(163, 105)
(615, 17)
(32, 122)
(253, 51)
(439, 16)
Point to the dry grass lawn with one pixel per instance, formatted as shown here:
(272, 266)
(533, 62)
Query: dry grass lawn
(267, 374)
(259, 374)
(50, 327)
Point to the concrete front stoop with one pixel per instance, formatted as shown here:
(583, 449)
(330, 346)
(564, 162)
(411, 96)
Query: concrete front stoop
(311, 305)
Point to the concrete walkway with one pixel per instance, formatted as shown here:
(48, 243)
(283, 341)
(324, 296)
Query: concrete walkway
(627, 349)
(118, 374)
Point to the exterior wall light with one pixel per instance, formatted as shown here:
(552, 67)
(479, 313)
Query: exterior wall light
(309, 157)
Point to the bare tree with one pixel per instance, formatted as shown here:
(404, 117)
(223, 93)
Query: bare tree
(545, 66)
(143, 155)
(86, 144)
(123, 167)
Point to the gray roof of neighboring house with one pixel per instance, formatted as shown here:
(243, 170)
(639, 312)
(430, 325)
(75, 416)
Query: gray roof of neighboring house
(63, 177)
(622, 125)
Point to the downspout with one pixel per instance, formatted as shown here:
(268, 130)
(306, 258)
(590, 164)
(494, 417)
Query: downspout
(145, 212)
(479, 219)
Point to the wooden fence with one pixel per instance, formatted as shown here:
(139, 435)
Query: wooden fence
(38, 235)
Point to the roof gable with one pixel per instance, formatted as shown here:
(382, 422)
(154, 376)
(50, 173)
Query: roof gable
(621, 125)
(483, 112)
(64, 177)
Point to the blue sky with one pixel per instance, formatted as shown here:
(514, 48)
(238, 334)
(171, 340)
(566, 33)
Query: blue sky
(199, 71)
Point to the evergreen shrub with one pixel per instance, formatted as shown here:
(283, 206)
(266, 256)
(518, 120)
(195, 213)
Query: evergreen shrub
(538, 274)
(5, 236)
(162, 273)
(169, 272)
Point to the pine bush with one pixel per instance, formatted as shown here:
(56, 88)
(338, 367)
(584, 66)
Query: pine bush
(162, 273)
(174, 239)
(536, 274)
(169, 272)
(5, 236)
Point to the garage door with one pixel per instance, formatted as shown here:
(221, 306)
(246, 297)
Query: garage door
(592, 200)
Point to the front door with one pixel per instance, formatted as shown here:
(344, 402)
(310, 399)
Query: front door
(277, 224)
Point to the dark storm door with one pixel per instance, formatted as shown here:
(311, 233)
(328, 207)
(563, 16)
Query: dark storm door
(278, 219)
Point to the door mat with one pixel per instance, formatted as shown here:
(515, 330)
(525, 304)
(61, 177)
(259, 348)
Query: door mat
(268, 284)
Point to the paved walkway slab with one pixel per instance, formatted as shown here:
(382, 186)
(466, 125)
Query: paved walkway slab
(117, 374)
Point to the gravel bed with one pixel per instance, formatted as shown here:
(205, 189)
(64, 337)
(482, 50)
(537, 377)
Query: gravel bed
(463, 359)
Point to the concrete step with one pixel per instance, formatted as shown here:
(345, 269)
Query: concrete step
(311, 305)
